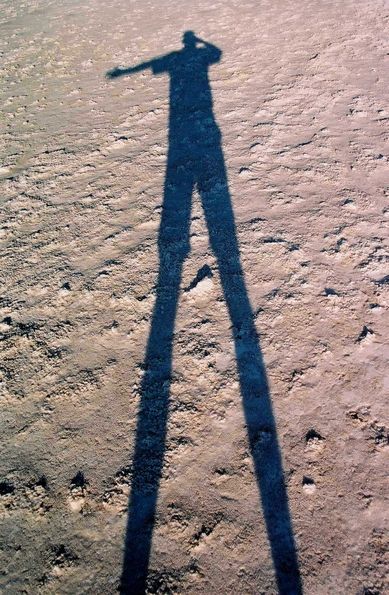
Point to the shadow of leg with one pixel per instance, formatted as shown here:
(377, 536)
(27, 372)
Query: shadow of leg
(261, 426)
(154, 393)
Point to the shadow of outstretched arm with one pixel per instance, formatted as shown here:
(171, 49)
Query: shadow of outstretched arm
(116, 72)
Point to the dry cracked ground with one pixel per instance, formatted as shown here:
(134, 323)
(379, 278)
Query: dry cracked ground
(300, 95)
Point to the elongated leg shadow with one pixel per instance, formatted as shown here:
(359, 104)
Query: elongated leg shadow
(152, 419)
(260, 422)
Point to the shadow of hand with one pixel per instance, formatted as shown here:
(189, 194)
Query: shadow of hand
(114, 73)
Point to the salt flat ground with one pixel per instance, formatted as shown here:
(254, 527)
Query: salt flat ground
(301, 99)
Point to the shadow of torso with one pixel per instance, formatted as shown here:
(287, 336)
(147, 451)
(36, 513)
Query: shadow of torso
(192, 125)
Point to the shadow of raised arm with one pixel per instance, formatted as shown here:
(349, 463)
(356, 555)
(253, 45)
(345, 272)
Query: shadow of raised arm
(197, 53)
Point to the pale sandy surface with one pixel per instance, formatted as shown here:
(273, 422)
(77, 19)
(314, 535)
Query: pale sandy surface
(301, 98)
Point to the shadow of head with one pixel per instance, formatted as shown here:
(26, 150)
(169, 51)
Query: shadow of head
(189, 39)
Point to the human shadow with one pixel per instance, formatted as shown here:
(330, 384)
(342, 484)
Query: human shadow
(195, 160)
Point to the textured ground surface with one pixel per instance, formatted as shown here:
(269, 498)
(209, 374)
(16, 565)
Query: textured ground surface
(301, 99)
